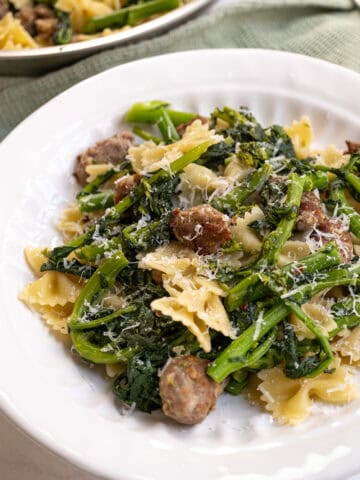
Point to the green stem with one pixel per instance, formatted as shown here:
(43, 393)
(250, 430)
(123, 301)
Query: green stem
(115, 213)
(175, 167)
(314, 180)
(64, 32)
(353, 182)
(96, 201)
(231, 202)
(274, 242)
(92, 187)
(92, 253)
(146, 136)
(334, 278)
(250, 288)
(234, 356)
(166, 127)
(106, 355)
(103, 320)
(93, 292)
(346, 314)
(130, 15)
(148, 112)
(323, 340)
(337, 194)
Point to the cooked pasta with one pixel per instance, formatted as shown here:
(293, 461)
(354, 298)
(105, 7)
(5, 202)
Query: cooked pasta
(13, 35)
(290, 400)
(149, 157)
(218, 255)
(28, 24)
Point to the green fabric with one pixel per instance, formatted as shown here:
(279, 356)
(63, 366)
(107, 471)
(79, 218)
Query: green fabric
(328, 29)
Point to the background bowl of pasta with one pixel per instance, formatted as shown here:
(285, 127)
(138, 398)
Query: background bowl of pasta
(59, 401)
(36, 37)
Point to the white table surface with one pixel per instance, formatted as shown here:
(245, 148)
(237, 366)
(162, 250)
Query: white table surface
(22, 458)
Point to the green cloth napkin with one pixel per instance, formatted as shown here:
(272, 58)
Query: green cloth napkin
(328, 29)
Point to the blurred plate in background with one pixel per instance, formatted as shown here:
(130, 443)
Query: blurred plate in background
(40, 60)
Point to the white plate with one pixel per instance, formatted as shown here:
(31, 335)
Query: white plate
(69, 407)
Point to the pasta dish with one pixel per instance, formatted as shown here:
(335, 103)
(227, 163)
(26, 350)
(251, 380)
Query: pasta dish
(205, 255)
(28, 24)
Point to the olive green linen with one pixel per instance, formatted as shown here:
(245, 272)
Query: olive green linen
(327, 29)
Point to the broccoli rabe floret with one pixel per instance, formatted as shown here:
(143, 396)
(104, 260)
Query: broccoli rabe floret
(240, 125)
(251, 154)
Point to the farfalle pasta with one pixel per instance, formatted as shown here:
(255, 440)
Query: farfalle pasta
(217, 254)
(29, 24)
(13, 35)
(290, 400)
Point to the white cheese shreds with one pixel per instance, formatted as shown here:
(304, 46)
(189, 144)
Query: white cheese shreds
(193, 300)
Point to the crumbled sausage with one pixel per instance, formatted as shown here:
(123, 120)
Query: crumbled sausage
(183, 126)
(187, 393)
(312, 217)
(201, 228)
(43, 11)
(125, 185)
(352, 147)
(46, 27)
(4, 8)
(112, 150)
(30, 17)
(157, 276)
(310, 213)
(27, 17)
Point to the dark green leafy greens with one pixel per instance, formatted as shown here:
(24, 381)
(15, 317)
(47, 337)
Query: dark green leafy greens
(260, 295)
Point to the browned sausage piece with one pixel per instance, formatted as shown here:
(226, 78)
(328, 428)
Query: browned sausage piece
(202, 228)
(353, 147)
(187, 393)
(46, 27)
(4, 8)
(310, 214)
(27, 17)
(183, 126)
(157, 276)
(43, 11)
(125, 185)
(112, 150)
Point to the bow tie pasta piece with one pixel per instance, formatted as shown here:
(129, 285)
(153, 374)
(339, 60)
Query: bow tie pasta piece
(35, 258)
(292, 251)
(53, 288)
(69, 224)
(203, 178)
(289, 401)
(13, 35)
(171, 259)
(241, 232)
(53, 296)
(321, 316)
(348, 346)
(82, 10)
(95, 169)
(194, 300)
(149, 157)
(172, 308)
(55, 317)
(301, 134)
(331, 157)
